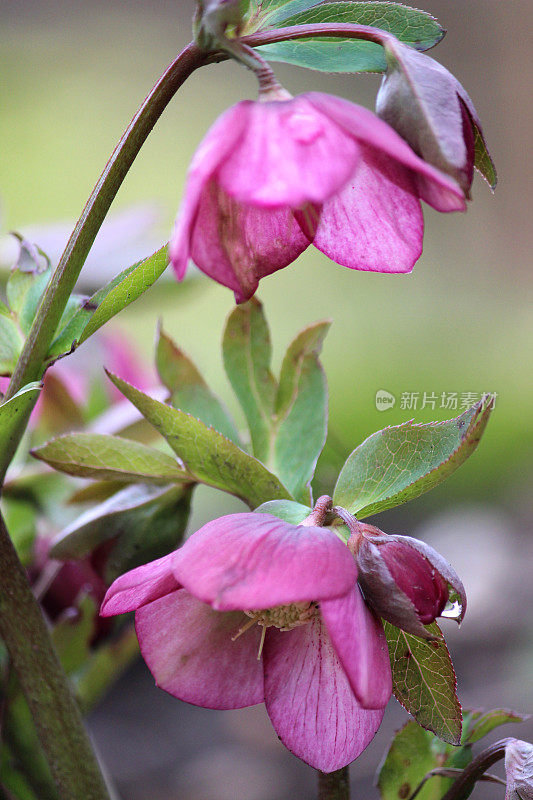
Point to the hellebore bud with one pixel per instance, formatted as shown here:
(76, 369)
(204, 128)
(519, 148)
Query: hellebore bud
(519, 770)
(405, 580)
(430, 109)
(213, 17)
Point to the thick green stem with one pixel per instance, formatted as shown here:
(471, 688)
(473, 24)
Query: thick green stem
(55, 713)
(334, 785)
(30, 363)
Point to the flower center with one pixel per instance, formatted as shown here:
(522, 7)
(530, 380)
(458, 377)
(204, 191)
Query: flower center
(283, 617)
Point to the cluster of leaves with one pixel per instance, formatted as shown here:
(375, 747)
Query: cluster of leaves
(141, 487)
(82, 317)
(419, 764)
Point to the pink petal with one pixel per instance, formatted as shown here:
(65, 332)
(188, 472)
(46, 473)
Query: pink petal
(220, 139)
(189, 650)
(359, 641)
(376, 222)
(310, 701)
(290, 154)
(257, 561)
(433, 186)
(237, 245)
(139, 586)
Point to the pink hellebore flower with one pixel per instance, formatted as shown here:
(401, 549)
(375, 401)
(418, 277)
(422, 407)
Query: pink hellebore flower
(252, 609)
(273, 176)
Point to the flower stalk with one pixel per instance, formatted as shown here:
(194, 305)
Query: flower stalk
(334, 785)
(58, 291)
(54, 709)
(475, 770)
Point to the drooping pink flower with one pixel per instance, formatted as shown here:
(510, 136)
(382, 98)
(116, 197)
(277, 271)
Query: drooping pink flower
(255, 609)
(272, 177)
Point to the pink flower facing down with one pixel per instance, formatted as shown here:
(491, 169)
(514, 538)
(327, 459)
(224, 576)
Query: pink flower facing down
(272, 177)
(255, 609)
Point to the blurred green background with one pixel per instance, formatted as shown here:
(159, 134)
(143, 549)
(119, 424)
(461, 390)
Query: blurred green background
(72, 74)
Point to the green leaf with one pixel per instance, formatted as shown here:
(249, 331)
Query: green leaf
(207, 455)
(412, 754)
(145, 522)
(301, 412)
(287, 510)
(400, 463)
(477, 724)
(108, 301)
(482, 159)
(416, 28)
(189, 391)
(17, 286)
(247, 354)
(97, 455)
(11, 343)
(32, 300)
(423, 681)
(13, 418)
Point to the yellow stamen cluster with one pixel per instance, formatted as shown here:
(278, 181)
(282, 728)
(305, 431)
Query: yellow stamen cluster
(284, 617)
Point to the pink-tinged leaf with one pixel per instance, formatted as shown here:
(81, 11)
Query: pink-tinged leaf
(424, 682)
(190, 651)
(257, 561)
(310, 701)
(477, 724)
(359, 641)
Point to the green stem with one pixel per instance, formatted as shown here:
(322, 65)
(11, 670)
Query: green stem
(58, 291)
(334, 785)
(55, 713)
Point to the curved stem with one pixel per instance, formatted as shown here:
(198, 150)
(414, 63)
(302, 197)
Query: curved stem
(473, 772)
(55, 713)
(345, 30)
(334, 785)
(58, 291)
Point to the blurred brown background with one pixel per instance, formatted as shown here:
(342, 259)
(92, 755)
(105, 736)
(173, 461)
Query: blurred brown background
(72, 74)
